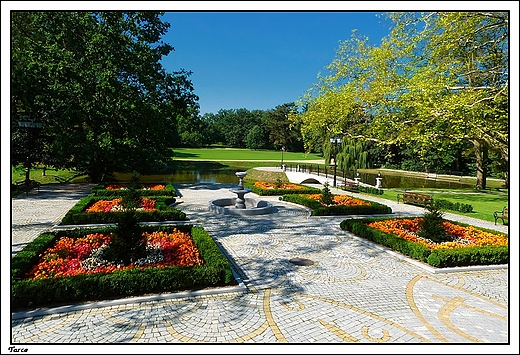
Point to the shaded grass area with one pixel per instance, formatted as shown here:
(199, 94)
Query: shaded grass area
(51, 175)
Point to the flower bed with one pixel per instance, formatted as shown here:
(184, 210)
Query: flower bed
(263, 188)
(468, 245)
(86, 255)
(114, 205)
(69, 266)
(118, 189)
(96, 210)
(341, 205)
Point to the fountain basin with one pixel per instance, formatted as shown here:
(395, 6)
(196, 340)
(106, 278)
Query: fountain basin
(227, 206)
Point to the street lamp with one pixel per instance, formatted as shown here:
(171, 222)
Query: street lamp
(32, 127)
(335, 141)
(283, 150)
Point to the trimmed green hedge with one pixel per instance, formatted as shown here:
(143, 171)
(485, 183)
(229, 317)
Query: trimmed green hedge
(100, 190)
(319, 210)
(488, 255)
(77, 214)
(361, 188)
(26, 294)
(454, 206)
(276, 192)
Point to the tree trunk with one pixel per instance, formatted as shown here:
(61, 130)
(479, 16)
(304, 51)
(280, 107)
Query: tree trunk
(481, 153)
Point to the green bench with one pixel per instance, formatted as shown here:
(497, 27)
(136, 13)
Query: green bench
(32, 184)
(503, 215)
(415, 198)
(350, 185)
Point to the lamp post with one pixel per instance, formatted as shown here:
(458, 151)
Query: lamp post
(378, 180)
(335, 141)
(356, 179)
(283, 150)
(32, 127)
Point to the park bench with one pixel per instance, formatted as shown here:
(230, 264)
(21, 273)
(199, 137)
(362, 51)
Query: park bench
(415, 198)
(503, 215)
(350, 185)
(32, 184)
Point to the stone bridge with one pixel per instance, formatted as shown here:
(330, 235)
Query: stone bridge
(305, 178)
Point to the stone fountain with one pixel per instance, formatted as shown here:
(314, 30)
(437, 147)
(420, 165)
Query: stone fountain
(240, 205)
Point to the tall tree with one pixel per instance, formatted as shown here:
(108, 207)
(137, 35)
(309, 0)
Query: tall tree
(439, 76)
(282, 131)
(96, 83)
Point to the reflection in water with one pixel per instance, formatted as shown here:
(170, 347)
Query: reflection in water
(229, 177)
(188, 176)
(398, 181)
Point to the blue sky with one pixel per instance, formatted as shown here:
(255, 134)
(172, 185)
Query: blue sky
(259, 60)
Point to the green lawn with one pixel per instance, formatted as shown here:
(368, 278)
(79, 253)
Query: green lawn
(484, 202)
(232, 154)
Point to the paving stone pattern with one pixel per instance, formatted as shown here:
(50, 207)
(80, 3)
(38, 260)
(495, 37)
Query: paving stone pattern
(352, 293)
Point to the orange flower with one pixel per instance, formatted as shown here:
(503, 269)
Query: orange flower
(113, 205)
(340, 200)
(66, 256)
(463, 237)
(268, 186)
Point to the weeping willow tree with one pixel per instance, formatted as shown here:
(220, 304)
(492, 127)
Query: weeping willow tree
(351, 155)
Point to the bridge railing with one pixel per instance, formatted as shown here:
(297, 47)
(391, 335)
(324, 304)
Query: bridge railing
(317, 169)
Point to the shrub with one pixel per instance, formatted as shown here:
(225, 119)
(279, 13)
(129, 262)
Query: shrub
(431, 226)
(486, 255)
(457, 206)
(326, 196)
(370, 190)
(127, 243)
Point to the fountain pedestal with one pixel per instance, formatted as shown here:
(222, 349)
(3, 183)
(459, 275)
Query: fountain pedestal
(237, 205)
(240, 201)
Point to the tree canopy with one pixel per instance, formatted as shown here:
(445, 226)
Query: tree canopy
(95, 82)
(437, 77)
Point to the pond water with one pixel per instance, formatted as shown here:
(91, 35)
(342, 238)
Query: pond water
(398, 181)
(188, 176)
(229, 177)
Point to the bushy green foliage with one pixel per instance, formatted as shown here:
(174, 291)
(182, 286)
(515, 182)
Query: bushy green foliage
(487, 255)
(431, 226)
(127, 244)
(370, 190)
(25, 294)
(326, 195)
(454, 206)
(131, 197)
